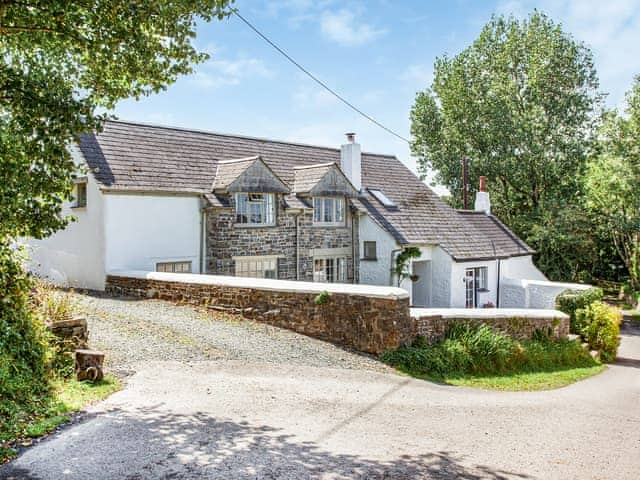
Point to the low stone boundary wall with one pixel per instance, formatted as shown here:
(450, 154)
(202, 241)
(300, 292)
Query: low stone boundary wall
(520, 324)
(367, 318)
(538, 294)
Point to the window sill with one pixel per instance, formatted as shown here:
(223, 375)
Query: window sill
(78, 207)
(329, 225)
(483, 290)
(254, 225)
(369, 259)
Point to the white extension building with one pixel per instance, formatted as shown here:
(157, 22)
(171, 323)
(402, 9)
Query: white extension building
(167, 199)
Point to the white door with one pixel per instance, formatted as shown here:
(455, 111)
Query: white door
(470, 288)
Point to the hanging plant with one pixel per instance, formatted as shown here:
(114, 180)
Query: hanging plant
(402, 263)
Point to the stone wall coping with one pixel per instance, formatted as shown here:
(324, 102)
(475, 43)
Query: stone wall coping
(487, 313)
(267, 284)
(547, 283)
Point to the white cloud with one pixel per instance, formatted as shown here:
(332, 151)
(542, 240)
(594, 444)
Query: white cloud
(610, 28)
(219, 73)
(418, 74)
(346, 29)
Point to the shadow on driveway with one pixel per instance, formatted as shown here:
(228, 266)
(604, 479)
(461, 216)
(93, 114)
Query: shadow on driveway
(150, 443)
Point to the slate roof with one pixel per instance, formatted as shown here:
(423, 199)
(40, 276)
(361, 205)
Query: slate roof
(130, 156)
(229, 170)
(307, 177)
(506, 243)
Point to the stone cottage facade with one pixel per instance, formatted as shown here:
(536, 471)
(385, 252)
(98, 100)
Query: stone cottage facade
(185, 201)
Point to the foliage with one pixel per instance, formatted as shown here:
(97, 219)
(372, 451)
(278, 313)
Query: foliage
(322, 298)
(570, 301)
(612, 193)
(51, 303)
(402, 262)
(51, 410)
(600, 327)
(472, 350)
(522, 102)
(25, 353)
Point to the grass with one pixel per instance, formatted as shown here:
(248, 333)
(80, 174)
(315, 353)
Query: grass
(47, 413)
(475, 356)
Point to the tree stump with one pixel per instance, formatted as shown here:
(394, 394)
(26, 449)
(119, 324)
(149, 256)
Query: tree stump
(89, 365)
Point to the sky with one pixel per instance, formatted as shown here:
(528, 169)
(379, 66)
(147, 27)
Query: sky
(375, 53)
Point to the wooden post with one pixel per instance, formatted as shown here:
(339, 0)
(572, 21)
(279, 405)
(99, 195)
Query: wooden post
(89, 365)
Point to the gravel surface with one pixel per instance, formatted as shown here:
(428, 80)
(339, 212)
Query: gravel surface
(131, 331)
(234, 419)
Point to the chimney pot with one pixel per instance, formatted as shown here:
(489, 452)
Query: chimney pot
(483, 183)
(351, 137)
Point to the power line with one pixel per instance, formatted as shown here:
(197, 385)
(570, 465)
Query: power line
(317, 80)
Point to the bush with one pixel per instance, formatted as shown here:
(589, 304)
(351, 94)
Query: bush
(478, 350)
(52, 304)
(600, 327)
(25, 351)
(571, 301)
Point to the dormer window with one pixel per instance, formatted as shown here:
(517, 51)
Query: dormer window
(255, 209)
(328, 211)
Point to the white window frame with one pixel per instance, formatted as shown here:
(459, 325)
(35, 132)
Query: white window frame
(330, 269)
(329, 211)
(364, 250)
(80, 201)
(183, 266)
(263, 203)
(257, 266)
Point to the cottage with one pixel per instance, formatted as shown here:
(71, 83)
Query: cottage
(174, 200)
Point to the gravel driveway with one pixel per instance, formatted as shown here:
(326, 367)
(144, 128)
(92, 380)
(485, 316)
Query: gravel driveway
(277, 414)
(131, 331)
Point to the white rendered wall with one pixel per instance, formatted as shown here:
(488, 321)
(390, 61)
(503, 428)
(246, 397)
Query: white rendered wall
(142, 230)
(74, 257)
(523, 293)
(375, 272)
(441, 264)
(520, 267)
(458, 293)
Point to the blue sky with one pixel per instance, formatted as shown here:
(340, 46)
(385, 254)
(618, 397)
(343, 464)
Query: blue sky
(376, 53)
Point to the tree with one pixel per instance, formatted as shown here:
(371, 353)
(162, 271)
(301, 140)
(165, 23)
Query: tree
(522, 103)
(612, 189)
(63, 62)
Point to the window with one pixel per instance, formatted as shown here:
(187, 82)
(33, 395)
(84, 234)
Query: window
(255, 208)
(476, 281)
(370, 251)
(381, 197)
(328, 210)
(174, 267)
(482, 274)
(80, 194)
(257, 267)
(330, 270)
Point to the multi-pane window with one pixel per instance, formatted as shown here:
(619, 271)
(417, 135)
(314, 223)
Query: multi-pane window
(174, 267)
(80, 190)
(328, 210)
(255, 208)
(330, 270)
(369, 250)
(256, 267)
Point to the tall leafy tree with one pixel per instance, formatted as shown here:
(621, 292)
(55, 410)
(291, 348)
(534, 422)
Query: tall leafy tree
(63, 62)
(522, 103)
(612, 184)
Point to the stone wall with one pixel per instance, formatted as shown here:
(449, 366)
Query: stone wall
(368, 319)
(226, 240)
(517, 323)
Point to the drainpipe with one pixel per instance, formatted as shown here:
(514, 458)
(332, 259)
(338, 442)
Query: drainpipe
(498, 286)
(353, 246)
(298, 246)
(203, 241)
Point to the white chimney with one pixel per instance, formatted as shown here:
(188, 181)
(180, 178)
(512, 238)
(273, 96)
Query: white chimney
(482, 203)
(351, 161)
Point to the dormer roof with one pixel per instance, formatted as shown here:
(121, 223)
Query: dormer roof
(250, 174)
(323, 179)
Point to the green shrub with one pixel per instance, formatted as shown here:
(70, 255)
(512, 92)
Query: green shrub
(571, 301)
(469, 349)
(322, 298)
(600, 327)
(52, 304)
(25, 351)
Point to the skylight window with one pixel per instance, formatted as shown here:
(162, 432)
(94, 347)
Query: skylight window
(381, 197)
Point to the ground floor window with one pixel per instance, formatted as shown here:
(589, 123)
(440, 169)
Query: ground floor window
(173, 267)
(476, 281)
(330, 269)
(257, 267)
